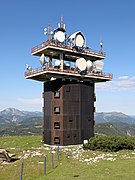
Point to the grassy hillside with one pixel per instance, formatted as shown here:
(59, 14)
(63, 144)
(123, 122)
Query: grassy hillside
(29, 126)
(115, 129)
(75, 163)
(33, 126)
(108, 129)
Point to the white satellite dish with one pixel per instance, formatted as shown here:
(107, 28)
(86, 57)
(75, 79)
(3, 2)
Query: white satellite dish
(45, 31)
(57, 63)
(77, 39)
(81, 64)
(98, 65)
(89, 65)
(67, 64)
(60, 36)
(28, 68)
(42, 60)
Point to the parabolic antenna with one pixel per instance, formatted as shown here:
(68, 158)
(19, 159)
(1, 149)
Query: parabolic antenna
(28, 68)
(57, 63)
(42, 59)
(89, 65)
(98, 65)
(81, 64)
(60, 36)
(67, 64)
(77, 39)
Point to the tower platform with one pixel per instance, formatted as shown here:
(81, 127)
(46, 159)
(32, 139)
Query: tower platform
(53, 50)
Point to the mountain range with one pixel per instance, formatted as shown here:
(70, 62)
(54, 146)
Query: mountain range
(10, 115)
(114, 117)
(15, 122)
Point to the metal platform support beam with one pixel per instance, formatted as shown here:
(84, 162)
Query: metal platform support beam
(61, 62)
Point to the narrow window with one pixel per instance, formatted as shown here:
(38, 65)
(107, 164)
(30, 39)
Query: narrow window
(56, 140)
(56, 110)
(70, 120)
(56, 125)
(94, 96)
(67, 89)
(56, 94)
(68, 136)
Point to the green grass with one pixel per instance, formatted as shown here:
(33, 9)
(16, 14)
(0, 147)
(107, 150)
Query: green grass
(69, 167)
(24, 142)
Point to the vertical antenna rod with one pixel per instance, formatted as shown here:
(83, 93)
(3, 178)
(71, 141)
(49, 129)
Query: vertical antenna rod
(101, 44)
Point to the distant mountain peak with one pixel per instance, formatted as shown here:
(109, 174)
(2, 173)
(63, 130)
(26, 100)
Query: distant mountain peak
(11, 113)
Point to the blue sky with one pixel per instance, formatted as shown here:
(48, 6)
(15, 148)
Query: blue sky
(21, 28)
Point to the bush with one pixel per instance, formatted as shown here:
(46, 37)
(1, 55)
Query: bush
(110, 143)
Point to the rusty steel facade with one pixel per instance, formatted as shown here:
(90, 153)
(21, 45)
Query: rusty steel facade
(68, 112)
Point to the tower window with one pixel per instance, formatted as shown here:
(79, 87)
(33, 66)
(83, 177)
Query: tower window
(74, 135)
(56, 140)
(70, 120)
(56, 125)
(94, 96)
(56, 110)
(68, 136)
(56, 94)
(43, 94)
(67, 89)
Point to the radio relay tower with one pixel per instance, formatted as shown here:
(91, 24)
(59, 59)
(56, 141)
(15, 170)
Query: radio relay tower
(69, 72)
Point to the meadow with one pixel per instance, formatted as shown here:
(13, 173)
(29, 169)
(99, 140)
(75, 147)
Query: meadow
(74, 161)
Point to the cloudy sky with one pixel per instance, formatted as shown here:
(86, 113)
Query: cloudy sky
(21, 28)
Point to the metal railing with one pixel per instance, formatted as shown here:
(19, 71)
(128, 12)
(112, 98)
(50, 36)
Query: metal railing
(65, 45)
(70, 71)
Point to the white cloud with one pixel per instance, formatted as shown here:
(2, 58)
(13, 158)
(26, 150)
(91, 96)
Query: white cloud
(35, 101)
(123, 77)
(132, 78)
(122, 83)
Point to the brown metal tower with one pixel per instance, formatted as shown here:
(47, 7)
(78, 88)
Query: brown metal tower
(69, 74)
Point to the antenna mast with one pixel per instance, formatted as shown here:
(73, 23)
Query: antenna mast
(101, 44)
(61, 25)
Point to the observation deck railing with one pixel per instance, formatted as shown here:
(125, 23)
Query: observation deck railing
(67, 46)
(71, 71)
